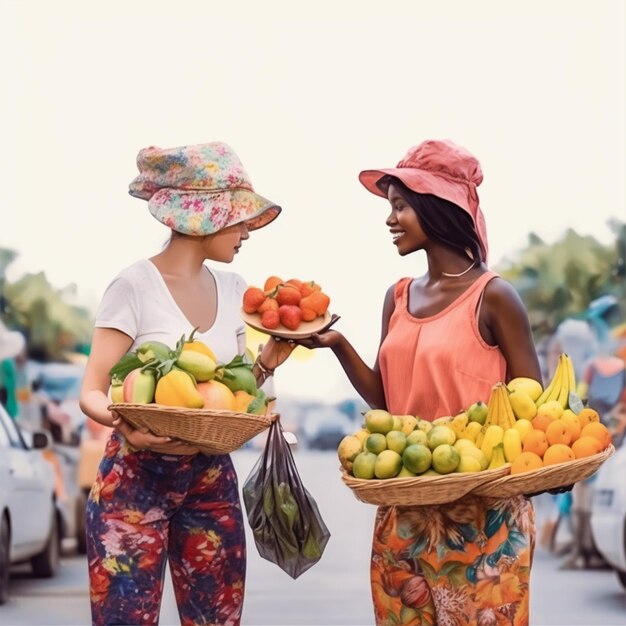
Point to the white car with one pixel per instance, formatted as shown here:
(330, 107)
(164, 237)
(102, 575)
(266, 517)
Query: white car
(608, 512)
(29, 519)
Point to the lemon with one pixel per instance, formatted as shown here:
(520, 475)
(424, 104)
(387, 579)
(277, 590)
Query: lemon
(445, 458)
(468, 464)
(417, 436)
(378, 421)
(376, 443)
(439, 435)
(396, 441)
(388, 464)
(363, 465)
(417, 458)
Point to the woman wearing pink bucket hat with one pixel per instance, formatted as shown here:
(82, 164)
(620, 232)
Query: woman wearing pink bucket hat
(447, 338)
(155, 499)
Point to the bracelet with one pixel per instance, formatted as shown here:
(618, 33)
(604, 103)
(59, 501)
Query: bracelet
(264, 370)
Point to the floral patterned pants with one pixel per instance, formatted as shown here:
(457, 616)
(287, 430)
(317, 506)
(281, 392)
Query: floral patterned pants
(147, 507)
(461, 564)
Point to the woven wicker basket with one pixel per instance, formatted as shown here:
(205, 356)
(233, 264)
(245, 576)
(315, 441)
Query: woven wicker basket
(544, 478)
(211, 430)
(421, 490)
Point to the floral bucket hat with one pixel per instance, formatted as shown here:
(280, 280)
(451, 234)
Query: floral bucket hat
(200, 189)
(443, 169)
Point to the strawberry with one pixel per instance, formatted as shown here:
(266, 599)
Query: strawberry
(290, 316)
(270, 319)
(269, 304)
(288, 295)
(253, 297)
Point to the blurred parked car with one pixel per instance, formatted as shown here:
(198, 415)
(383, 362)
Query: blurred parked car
(608, 513)
(30, 523)
(325, 427)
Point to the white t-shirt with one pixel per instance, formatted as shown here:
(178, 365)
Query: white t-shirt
(138, 303)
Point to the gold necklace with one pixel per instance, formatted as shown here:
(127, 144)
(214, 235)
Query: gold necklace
(460, 273)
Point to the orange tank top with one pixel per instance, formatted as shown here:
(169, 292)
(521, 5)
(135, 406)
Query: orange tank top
(438, 365)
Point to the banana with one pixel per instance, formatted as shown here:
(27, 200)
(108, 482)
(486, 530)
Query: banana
(493, 436)
(509, 415)
(493, 408)
(571, 376)
(558, 383)
(544, 397)
(512, 442)
(497, 457)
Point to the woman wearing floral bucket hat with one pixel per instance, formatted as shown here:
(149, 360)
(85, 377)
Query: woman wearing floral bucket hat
(155, 498)
(447, 337)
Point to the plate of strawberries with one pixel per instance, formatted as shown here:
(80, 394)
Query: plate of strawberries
(292, 309)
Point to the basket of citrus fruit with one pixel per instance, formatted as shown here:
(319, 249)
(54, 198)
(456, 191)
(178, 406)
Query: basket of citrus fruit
(523, 440)
(185, 393)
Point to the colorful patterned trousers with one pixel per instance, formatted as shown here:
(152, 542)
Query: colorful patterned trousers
(147, 507)
(461, 564)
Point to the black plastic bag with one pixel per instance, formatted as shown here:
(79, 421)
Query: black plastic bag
(286, 523)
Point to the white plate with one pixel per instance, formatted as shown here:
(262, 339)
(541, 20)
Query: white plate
(306, 329)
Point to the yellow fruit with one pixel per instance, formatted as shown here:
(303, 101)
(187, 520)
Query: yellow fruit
(405, 473)
(468, 464)
(439, 435)
(523, 427)
(349, 448)
(523, 405)
(440, 421)
(512, 442)
(397, 422)
(243, 400)
(362, 435)
(363, 465)
(459, 423)
(477, 412)
(445, 459)
(431, 472)
(388, 464)
(493, 436)
(477, 454)
(461, 444)
(378, 421)
(551, 409)
(424, 425)
(417, 458)
(178, 388)
(409, 422)
(527, 385)
(497, 457)
(396, 441)
(376, 443)
(471, 431)
(417, 436)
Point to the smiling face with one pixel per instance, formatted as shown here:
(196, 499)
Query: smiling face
(224, 244)
(404, 225)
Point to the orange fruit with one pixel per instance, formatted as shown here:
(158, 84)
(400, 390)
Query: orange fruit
(557, 432)
(586, 446)
(535, 441)
(271, 283)
(587, 416)
(599, 431)
(558, 453)
(526, 462)
(570, 419)
(541, 421)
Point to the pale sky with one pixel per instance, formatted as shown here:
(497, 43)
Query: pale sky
(307, 99)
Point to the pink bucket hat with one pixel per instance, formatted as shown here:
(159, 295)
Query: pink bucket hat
(443, 169)
(200, 189)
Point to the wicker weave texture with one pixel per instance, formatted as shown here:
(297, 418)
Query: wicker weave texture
(211, 430)
(550, 477)
(421, 490)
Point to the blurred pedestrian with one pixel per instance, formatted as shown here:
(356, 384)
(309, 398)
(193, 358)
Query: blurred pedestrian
(12, 343)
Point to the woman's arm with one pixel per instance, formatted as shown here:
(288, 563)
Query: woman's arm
(107, 347)
(503, 316)
(366, 381)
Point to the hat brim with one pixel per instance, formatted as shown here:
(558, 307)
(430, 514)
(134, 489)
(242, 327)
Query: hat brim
(200, 213)
(419, 181)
